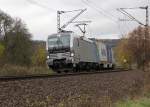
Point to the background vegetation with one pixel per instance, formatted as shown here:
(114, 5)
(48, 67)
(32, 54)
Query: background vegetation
(134, 49)
(17, 51)
(142, 100)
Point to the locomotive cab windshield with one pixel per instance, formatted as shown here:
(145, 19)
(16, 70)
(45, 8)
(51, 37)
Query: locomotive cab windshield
(59, 43)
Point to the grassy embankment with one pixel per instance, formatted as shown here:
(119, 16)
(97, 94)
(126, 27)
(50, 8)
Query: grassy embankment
(14, 70)
(142, 102)
(139, 101)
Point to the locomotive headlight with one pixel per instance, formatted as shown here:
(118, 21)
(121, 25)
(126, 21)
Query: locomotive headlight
(48, 57)
(72, 54)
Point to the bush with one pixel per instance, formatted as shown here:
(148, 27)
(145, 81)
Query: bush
(123, 56)
(39, 57)
(2, 49)
(16, 40)
(18, 45)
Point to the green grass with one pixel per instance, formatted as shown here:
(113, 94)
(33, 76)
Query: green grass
(143, 102)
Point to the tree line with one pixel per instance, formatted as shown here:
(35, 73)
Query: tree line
(16, 46)
(134, 48)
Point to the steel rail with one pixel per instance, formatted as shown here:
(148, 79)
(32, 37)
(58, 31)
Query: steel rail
(42, 76)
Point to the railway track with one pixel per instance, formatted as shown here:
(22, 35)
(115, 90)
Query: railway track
(41, 76)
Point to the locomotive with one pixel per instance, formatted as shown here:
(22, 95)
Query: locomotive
(68, 51)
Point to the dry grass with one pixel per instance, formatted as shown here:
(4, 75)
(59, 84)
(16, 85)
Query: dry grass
(84, 100)
(147, 84)
(143, 102)
(10, 70)
(139, 101)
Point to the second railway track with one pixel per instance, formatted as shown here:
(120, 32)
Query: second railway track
(41, 76)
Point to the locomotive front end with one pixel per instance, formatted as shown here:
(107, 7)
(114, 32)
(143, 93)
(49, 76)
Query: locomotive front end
(60, 53)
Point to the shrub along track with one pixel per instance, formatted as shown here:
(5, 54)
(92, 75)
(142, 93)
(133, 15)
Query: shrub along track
(102, 87)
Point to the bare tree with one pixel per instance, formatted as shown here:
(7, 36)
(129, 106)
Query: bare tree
(16, 40)
(139, 46)
(6, 23)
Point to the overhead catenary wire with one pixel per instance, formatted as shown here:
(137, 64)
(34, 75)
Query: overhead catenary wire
(106, 12)
(119, 28)
(128, 17)
(99, 11)
(87, 2)
(127, 27)
(111, 16)
(40, 5)
(123, 28)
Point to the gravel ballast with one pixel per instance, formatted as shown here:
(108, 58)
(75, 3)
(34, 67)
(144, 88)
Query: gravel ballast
(103, 87)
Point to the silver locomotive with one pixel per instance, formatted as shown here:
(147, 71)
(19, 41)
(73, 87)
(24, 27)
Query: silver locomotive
(68, 51)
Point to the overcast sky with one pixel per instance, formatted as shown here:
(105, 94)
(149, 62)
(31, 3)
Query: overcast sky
(40, 15)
